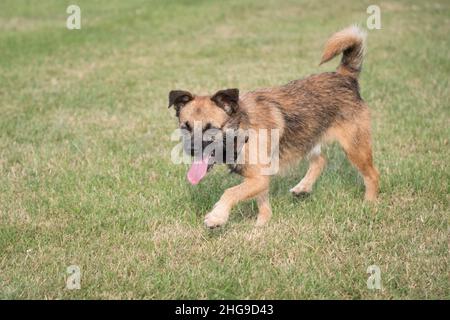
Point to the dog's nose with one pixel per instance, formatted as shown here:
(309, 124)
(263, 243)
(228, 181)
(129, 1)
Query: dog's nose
(195, 147)
(196, 151)
(191, 147)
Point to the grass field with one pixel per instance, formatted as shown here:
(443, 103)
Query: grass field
(86, 177)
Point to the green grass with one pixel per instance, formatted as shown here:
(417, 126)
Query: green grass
(86, 177)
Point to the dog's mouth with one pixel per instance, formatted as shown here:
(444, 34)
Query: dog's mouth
(205, 158)
(200, 167)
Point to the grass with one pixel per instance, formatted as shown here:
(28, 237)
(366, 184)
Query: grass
(86, 177)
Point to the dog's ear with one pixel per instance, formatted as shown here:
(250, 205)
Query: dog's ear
(227, 99)
(179, 98)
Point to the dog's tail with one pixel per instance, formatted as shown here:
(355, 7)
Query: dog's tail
(350, 42)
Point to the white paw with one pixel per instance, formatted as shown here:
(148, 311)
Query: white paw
(216, 218)
(261, 221)
(300, 189)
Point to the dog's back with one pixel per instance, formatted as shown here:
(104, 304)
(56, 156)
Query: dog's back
(309, 107)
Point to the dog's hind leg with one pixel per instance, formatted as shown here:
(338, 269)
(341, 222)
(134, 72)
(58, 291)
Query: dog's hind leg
(264, 209)
(317, 163)
(360, 155)
(356, 142)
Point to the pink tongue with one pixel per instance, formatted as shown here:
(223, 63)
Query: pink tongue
(198, 170)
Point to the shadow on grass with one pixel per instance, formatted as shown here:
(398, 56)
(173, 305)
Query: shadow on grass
(339, 174)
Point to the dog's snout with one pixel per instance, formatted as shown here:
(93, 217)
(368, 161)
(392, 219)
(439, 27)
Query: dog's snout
(195, 147)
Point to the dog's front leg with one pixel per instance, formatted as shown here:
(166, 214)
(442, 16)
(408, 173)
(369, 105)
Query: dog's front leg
(248, 189)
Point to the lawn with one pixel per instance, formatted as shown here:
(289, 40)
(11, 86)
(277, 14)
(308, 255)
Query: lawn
(86, 177)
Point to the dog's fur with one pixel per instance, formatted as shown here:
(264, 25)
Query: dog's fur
(308, 113)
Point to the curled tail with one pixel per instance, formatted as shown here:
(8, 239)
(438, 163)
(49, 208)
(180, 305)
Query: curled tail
(350, 42)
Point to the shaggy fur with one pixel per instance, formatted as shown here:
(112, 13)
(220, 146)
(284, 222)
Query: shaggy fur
(308, 113)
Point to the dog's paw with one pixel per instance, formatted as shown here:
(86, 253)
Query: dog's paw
(301, 190)
(214, 221)
(216, 218)
(262, 221)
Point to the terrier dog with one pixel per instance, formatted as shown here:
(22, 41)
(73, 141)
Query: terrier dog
(305, 114)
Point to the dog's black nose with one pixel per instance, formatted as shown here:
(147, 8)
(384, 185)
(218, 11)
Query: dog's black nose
(195, 147)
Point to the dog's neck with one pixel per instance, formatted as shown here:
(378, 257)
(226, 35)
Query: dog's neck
(239, 120)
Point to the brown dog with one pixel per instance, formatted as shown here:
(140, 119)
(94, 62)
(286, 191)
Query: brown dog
(305, 113)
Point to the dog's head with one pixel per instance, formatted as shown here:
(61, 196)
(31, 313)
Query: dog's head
(203, 121)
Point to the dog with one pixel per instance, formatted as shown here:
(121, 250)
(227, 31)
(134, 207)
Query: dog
(306, 113)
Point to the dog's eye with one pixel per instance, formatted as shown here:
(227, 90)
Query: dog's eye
(186, 126)
(207, 127)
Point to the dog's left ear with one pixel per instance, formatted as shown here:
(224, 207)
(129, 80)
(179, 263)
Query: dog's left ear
(227, 99)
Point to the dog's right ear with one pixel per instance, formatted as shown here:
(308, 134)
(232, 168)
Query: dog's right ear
(179, 98)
